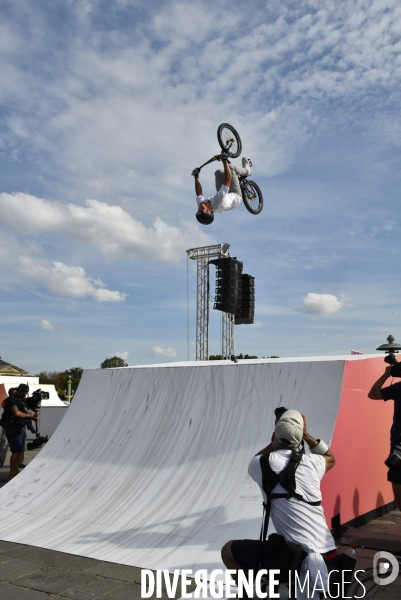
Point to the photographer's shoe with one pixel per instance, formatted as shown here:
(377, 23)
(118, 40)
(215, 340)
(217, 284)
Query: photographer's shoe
(247, 164)
(13, 474)
(22, 466)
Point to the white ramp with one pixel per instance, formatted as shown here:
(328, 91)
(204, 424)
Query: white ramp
(149, 465)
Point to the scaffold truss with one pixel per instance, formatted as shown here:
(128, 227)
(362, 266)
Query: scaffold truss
(203, 255)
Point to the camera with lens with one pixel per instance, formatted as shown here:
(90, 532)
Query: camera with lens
(391, 349)
(279, 411)
(395, 370)
(33, 404)
(394, 459)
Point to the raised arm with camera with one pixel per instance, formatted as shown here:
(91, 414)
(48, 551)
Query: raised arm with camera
(319, 447)
(316, 446)
(379, 391)
(375, 391)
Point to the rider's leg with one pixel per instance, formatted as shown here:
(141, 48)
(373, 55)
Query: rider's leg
(246, 168)
(219, 179)
(235, 187)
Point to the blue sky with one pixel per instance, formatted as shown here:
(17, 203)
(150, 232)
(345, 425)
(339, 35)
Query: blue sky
(105, 109)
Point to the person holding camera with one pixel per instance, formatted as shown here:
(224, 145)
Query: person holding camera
(391, 392)
(297, 516)
(15, 418)
(3, 438)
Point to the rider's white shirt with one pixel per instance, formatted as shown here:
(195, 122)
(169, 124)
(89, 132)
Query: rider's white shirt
(297, 521)
(221, 201)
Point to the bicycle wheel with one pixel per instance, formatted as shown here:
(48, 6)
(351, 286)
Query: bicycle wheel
(229, 140)
(252, 196)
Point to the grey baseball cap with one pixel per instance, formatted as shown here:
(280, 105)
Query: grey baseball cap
(288, 432)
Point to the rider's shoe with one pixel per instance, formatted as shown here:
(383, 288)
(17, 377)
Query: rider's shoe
(247, 164)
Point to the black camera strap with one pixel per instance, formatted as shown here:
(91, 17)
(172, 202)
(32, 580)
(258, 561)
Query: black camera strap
(270, 479)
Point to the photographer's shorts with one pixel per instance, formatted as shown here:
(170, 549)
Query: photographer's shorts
(247, 554)
(16, 438)
(394, 475)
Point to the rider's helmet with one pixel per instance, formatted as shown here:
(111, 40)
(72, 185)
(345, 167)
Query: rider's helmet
(206, 218)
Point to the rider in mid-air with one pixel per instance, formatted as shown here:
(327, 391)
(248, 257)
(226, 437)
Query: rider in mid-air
(228, 189)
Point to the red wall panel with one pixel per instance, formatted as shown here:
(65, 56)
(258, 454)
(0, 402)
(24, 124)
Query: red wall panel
(358, 484)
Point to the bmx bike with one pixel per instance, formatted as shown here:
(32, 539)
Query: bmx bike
(230, 143)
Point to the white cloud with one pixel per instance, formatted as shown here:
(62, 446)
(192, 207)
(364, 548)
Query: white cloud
(22, 262)
(46, 325)
(109, 228)
(166, 352)
(322, 305)
(63, 280)
(124, 355)
(118, 112)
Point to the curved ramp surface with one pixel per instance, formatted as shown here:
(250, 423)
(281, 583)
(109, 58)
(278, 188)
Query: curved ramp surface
(149, 466)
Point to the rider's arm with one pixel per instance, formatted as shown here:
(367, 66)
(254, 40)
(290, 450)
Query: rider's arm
(227, 173)
(198, 187)
(375, 390)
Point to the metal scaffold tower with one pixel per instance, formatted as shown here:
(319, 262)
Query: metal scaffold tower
(227, 335)
(203, 255)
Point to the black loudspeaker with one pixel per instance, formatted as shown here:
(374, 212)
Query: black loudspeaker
(246, 311)
(228, 284)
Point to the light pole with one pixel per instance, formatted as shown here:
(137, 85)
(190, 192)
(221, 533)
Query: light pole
(70, 393)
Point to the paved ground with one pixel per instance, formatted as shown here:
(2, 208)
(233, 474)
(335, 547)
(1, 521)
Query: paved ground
(4, 471)
(380, 534)
(31, 573)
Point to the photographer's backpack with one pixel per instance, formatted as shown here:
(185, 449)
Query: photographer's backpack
(292, 554)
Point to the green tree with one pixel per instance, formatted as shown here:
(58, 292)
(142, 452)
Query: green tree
(113, 363)
(75, 373)
(60, 379)
(46, 378)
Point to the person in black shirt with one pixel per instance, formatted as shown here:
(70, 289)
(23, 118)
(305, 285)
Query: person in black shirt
(3, 439)
(15, 417)
(392, 392)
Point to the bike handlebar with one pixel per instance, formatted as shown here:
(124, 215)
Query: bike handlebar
(215, 157)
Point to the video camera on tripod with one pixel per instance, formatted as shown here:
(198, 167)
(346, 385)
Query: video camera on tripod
(34, 403)
(391, 349)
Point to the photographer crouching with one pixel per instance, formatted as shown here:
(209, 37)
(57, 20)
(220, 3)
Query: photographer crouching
(289, 481)
(391, 392)
(16, 416)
